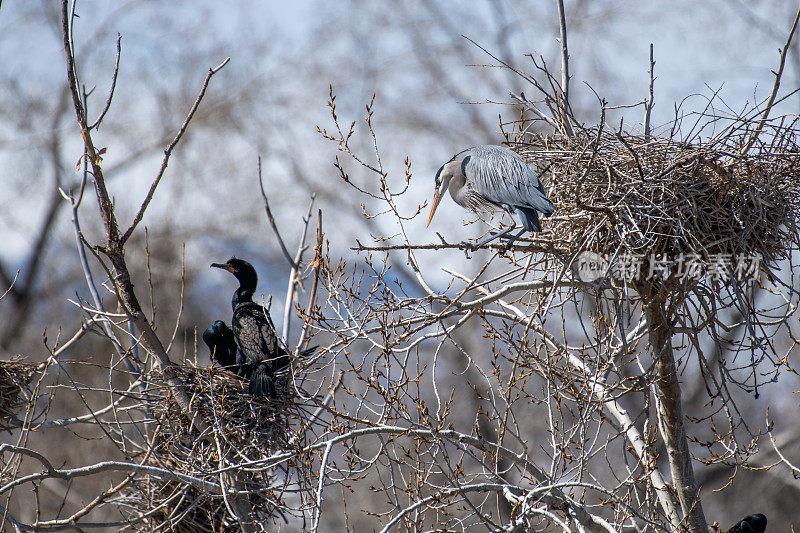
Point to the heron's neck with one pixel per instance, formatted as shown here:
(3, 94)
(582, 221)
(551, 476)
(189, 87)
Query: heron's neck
(458, 190)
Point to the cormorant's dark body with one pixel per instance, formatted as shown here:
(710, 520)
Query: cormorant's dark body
(754, 523)
(219, 339)
(259, 352)
(258, 343)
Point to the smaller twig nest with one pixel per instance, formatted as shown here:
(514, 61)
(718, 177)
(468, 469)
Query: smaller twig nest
(618, 193)
(241, 432)
(15, 376)
(173, 506)
(253, 426)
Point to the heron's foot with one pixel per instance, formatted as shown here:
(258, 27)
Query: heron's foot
(469, 245)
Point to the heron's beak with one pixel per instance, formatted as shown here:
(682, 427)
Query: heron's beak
(437, 197)
(224, 266)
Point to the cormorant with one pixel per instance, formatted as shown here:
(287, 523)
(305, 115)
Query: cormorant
(754, 523)
(219, 339)
(260, 354)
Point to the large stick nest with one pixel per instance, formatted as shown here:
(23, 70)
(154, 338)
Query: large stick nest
(240, 430)
(618, 193)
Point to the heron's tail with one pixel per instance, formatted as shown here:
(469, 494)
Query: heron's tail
(530, 218)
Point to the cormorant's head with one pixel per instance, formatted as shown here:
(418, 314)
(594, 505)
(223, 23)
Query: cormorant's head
(221, 343)
(243, 271)
(754, 523)
(217, 333)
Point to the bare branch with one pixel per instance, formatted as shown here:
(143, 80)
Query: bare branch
(671, 416)
(312, 297)
(293, 274)
(113, 86)
(170, 148)
(103, 466)
(562, 25)
(271, 218)
(775, 87)
(648, 107)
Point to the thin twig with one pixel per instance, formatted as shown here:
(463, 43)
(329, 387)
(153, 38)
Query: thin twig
(529, 105)
(113, 86)
(271, 218)
(451, 246)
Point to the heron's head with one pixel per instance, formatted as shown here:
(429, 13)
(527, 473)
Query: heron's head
(443, 176)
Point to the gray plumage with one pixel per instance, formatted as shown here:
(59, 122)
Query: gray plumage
(485, 178)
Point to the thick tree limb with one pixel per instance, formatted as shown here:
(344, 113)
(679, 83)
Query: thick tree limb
(671, 417)
(562, 25)
(114, 248)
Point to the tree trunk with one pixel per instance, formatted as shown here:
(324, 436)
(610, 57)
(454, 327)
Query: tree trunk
(670, 414)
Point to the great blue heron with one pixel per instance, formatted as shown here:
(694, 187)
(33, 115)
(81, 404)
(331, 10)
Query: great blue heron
(259, 353)
(484, 178)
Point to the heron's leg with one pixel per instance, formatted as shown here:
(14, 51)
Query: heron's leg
(490, 238)
(513, 239)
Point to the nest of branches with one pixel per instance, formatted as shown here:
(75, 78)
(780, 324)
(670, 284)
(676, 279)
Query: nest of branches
(230, 427)
(15, 376)
(618, 193)
(254, 427)
(174, 506)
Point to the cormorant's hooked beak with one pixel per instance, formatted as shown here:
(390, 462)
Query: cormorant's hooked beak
(223, 266)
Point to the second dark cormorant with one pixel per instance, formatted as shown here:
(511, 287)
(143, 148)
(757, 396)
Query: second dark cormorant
(260, 354)
(754, 523)
(220, 341)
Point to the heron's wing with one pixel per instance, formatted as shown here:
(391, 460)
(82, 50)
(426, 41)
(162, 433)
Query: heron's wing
(503, 177)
